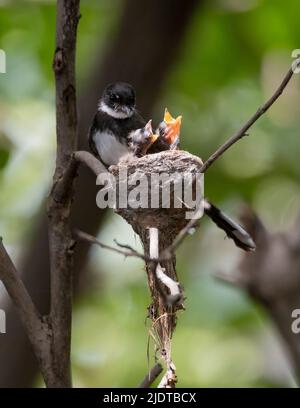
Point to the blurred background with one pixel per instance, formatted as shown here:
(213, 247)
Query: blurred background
(214, 62)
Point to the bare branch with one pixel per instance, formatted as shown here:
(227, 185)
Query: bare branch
(243, 131)
(90, 161)
(29, 315)
(151, 376)
(128, 252)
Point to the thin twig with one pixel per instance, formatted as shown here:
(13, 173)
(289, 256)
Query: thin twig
(242, 132)
(134, 251)
(151, 376)
(128, 252)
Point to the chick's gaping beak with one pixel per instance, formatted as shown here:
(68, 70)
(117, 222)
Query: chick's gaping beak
(173, 125)
(168, 118)
(148, 126)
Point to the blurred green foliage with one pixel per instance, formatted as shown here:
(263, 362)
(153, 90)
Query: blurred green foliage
(234, 55)
(4, 156)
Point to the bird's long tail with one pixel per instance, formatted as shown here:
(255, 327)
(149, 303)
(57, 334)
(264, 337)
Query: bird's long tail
(232, 229)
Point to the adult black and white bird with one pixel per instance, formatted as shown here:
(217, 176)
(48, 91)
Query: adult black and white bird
(111, 134)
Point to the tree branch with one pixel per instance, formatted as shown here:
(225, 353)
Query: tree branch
(151, 376)
(29, 315)
(242, 132)
(90, 161)
(129, 252)
(61, 243)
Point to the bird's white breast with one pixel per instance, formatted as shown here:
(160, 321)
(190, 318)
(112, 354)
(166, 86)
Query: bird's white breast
(109, 148)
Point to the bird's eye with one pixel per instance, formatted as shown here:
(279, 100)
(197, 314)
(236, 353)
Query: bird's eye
(114, 98)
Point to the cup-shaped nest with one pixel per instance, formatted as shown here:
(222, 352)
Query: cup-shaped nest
(161, 190)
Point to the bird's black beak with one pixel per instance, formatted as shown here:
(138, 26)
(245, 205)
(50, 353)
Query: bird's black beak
(125, 109)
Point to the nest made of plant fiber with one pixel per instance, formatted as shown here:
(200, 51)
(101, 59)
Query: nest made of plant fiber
(157, 175)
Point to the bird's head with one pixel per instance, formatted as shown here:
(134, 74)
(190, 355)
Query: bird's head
(141, 139)
(118, 100)
(170, 127)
